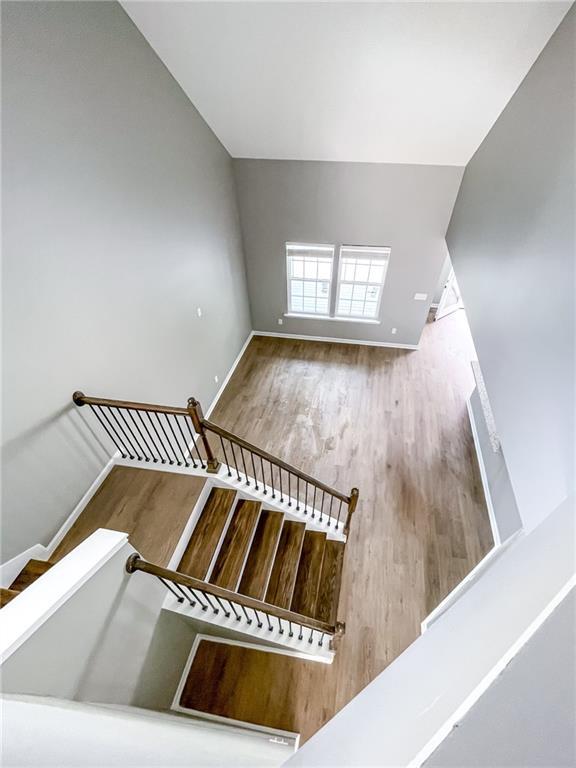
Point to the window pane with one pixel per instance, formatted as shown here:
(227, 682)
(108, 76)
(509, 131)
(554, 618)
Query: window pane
(322, 306)
(297, 287)
(372, 292)
(362, 271)
(349, 270)
(370, 309)
(309, 304)
(358, 308)
(323, 289)
(324, 269)
(361, 276)
(309, 289)
(297, 304)
(346, 291)
(359, 292)
(343, 307)
(297, 268)
(376, 273)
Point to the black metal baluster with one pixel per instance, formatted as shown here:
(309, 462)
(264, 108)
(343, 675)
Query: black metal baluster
(188, 449)
(300, 634)
(270, 627)
(203, 605)
(330, 511)
(244, 465)
(280, 479)
(124, 432)
(210, 603)
(272, 479)
(310, 638)
(104, 412)
(321, 641)
(122, 415)
(248, 619)
(137, 428)
(339, 513)
(107, 430)
(254, 468)
(200, 459)
(322, 505)
(167, 585)
(167, 440)
(264, 490)
(259, 624)
(238, 617)
(179, 588)
(221, 604)
(154, 459)
(289, 490)
(290, 632)
(159, 442)
(306, 498)
(166, 416)
(225, 457)
(234, 456)
(280, 627)
(297, 493)
(192, 601)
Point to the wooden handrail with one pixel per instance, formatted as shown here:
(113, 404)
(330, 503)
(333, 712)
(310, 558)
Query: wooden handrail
(275, 460)
(80, 399)
(136, 563)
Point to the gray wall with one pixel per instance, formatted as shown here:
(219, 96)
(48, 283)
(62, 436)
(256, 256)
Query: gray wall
(527, 717)
(511, 240)
(502, 498)
(119, 220)
(406, 207)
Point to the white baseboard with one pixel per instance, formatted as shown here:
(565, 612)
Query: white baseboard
(228, 375)
(484, 477)
(302, 337)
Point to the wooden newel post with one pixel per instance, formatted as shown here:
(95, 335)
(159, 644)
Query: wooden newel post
(195, 411)
(351, 508)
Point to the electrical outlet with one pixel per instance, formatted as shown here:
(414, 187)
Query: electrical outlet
(280, 321)
(216, 379)
(394, 330)
(199, 311)
(420, 296)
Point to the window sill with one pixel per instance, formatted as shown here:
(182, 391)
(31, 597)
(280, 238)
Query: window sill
(334, 319)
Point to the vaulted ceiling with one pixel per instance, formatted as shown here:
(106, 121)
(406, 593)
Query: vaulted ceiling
(405, 82)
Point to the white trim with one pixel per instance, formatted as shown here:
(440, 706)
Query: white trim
(82, 504)
(228, 375)
(305, 337)
(483, 476)
(491, 676)
(29, 610)
(365, 320)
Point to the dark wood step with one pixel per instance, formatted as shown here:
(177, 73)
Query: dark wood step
(232, 555)
(261, 556)
(207, 533)
(6, 595)
(28, 575)
(246, 684)
(285, 568)
(307, 583)
(330, 580)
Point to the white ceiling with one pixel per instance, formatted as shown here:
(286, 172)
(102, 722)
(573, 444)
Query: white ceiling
(407, 82)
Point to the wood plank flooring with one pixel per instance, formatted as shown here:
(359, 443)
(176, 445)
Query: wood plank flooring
(394, 423)
(152, 507)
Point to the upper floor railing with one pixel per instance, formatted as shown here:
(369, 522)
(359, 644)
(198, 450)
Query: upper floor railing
(183, 437)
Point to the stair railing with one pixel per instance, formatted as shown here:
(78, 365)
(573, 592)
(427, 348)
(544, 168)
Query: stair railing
(180, 437)
(243, 610)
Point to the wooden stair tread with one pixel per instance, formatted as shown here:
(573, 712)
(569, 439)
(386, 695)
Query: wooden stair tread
(285, 568)
(330, 580)
(307, 583)
(6, 595)
(245, 684)
(207, 533)
(28, 575)
(261, 556)
(232, 555)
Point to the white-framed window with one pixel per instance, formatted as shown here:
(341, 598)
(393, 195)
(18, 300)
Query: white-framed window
(361, 276)
(309, 271)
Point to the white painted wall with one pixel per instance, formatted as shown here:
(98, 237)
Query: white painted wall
(402, 716)
(119, 220)
(512, 242)
(52, 732)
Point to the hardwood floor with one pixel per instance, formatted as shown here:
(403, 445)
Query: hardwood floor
(152, 507)
(394, 423)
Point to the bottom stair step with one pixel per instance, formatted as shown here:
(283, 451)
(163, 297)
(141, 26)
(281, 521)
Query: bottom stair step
(247, 684)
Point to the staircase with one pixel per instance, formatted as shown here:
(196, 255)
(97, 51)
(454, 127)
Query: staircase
(28, 575)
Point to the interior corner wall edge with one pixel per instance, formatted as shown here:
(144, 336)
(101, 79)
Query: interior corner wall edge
(120, 219)
(406, 207)
(511, 240)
